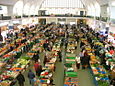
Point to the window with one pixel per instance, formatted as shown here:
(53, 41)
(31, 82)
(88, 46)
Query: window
(62, 6)
(3, 10)
(18, 8)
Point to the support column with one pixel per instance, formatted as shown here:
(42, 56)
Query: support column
(104, 11)
(112, 13)
(10, 10)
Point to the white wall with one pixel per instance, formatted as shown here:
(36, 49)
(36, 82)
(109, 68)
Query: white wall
(112, 13)
(69, 20)
(50, 20)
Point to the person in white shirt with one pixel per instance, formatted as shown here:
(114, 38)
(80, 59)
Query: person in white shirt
(78, 61)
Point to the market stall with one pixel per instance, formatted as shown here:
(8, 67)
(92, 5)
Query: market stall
(49, 66)
(101, 76)
(12, 66)
(71, 75)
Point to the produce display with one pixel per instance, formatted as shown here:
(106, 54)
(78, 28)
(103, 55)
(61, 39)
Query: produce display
(13, 66)
(16, 52)
(16, 56)
(6, 48)
(49, 67)
(71, 45)
(71, 76)
(71, 72)
(98, 71)
(100, 74)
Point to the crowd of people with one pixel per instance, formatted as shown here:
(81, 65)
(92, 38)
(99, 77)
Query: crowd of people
(104, 50)
(52, 32)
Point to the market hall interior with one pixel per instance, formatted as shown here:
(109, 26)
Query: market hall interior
(57, 43)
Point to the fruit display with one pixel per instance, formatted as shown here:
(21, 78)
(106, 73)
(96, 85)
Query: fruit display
(71, 75)
(70, 72)
(7, 77)
(46, 74)
(71, 81)
(100, 75)
(98, 71)
(3, 51)
(5, 48)
(71, 46)
(84, 41)
(98, 43)
(21, 63)
(94, 59)
(11, 70)
(49, 66)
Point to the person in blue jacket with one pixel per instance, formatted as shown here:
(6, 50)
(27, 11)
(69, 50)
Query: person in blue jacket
(31, 77)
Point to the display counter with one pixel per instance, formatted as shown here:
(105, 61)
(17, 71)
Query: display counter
(49, 67)
(71, 75)
(101, 76)
(11, 70)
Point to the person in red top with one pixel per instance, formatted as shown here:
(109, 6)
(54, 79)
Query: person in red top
(38, 68)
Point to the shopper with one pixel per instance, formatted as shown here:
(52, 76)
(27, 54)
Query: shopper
(45, 60)
(60, 56)
(16, 34)
(112, 73)
(36, 57)
(78, 62)
(45, 45)
(38, 68)
(82, 44)
(51, 82)
(112, 82)
(85, 60)
(21, 79)
(31, 77)
(82, 53)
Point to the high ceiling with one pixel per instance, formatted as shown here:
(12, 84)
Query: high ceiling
(12, 2)
(90, 5)
(38, 2)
